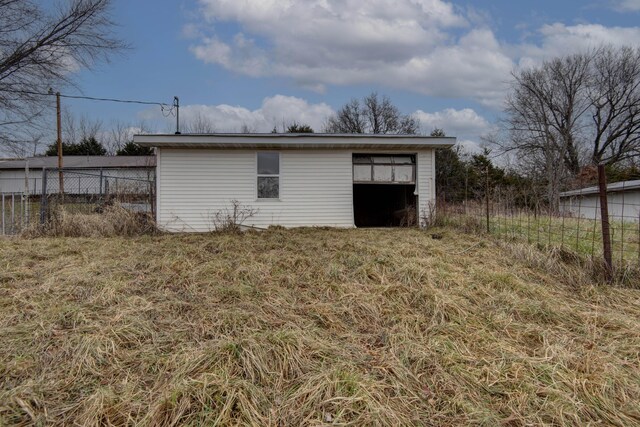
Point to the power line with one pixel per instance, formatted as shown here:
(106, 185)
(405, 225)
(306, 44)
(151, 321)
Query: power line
(90, 98)
(124, 101)
(166, 109)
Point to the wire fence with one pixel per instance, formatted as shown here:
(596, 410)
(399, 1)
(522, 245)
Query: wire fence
(575, 223)
(86, 191)
(15, 212)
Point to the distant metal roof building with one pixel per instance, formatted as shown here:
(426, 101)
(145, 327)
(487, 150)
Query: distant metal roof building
(611, 188)
(81, 162)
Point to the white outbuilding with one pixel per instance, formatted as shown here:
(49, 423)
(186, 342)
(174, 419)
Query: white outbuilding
(293, 180)
(83, 173)
(623, 201)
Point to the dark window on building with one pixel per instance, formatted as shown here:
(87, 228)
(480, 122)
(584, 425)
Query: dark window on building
(268, 175)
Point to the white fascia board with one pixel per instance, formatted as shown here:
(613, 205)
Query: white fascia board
(294, 141)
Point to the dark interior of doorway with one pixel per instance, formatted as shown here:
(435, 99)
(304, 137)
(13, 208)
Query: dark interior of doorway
(384, 205)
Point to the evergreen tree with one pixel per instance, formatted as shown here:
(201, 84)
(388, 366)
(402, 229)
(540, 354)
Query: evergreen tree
(133, 149)
(86, 147)
(299, 128)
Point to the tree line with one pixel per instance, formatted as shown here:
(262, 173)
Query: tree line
(86, 137)
(570, 114)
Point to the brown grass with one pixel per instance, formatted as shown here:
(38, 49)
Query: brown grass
(311, 327)
(112, 220)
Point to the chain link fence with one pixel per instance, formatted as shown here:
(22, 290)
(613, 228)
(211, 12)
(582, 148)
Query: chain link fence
(86, 191)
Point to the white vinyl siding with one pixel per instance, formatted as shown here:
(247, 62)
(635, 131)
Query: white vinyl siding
(623, 205)
(316, 187)
(194, 184)
(426, 182)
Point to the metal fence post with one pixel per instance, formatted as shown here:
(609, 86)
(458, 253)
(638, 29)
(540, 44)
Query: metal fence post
(604, 219)
(43, 197)
(152, 196)
(13, 213)
(25, 195)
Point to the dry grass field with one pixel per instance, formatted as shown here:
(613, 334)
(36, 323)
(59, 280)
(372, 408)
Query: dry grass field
(311, 327)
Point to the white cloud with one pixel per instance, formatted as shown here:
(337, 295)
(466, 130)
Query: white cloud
(242, 56)
(423, 46)
(559, 39)
(274, 111)
(465, 124)
(407, 44)
(627, 5)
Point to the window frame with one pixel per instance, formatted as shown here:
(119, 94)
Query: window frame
(368, 160)
(263, 175)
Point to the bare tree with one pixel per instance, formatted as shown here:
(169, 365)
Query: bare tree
(544, 118)
(371, 115)
(40, 47)
(245, 128)
(90, 128)
(614, 95)
(25, 144)
(575, 110)
(349, 119)
(69, 126)
(199, 123)
(75, 129)
(120, 137)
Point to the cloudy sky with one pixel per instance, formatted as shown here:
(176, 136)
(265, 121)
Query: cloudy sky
(260, 63)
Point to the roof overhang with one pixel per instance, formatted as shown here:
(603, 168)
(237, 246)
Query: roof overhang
(274, 141)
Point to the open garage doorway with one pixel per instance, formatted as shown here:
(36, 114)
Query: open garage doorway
(384, 191)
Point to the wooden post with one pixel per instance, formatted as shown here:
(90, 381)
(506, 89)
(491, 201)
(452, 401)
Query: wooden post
(486, 194)
(59, 143)
(604, 220)
(466, 188)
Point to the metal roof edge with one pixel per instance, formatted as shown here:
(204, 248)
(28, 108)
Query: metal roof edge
(611, 188)
(294, 141)
(82, 161)
(293, 135)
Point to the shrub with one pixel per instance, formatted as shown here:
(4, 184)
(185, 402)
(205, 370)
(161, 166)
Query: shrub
(232, 219)
(113, 220)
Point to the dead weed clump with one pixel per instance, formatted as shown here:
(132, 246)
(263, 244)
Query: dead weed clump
(311, 327)
(113, 220)
(570, 267)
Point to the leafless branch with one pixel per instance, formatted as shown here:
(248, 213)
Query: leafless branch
(41, 48)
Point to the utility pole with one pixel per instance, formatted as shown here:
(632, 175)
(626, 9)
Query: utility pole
(176, 104)
(59, 142)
